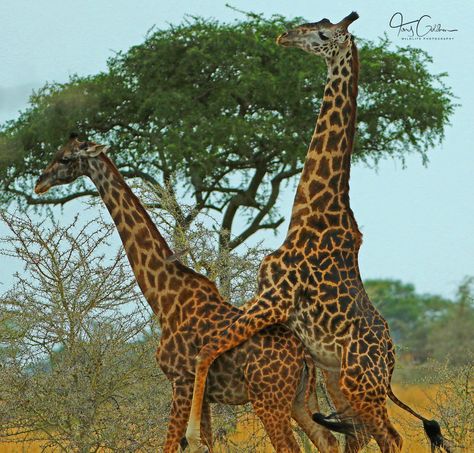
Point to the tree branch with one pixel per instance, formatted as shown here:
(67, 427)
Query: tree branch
(136, 173)
(242, 198)
(256, 225)
(30, 200)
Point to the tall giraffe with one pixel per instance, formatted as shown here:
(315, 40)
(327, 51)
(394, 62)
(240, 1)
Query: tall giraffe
(312, 281)
(268, 370)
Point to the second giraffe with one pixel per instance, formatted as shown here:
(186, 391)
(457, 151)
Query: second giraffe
(312, 282)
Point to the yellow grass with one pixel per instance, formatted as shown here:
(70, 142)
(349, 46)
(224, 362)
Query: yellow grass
(21, 446)
(249, 427)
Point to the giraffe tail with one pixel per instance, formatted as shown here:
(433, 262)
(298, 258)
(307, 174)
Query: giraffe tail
(431, 427)
(335, 423)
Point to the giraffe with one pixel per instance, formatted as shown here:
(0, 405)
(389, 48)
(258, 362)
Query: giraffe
(269, 370)
(312, 281)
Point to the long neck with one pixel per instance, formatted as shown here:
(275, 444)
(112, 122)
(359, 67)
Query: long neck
(324, 183)
(145, 247)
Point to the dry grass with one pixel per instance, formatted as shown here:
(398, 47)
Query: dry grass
(249, 435)
(419, 397)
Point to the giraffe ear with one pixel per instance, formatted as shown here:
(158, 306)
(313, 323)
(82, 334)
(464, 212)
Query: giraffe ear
(90, 149)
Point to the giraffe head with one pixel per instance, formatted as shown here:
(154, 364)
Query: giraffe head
(321, 38)
(71, 161)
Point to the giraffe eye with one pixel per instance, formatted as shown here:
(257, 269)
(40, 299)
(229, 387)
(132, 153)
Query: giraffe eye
(64, 161)
(322, 36)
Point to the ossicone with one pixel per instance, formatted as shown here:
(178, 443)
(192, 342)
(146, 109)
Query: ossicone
(349, 19)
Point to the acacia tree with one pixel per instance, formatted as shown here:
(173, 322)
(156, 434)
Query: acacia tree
(453, 403)
(234, 272)
(73, 373)
(220, 112)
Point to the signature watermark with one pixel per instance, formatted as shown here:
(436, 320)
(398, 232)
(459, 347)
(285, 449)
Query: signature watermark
(422, 28)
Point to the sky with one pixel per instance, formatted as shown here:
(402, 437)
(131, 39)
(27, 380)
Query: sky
(417, 221)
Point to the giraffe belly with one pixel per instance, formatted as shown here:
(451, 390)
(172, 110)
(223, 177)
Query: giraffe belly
(321, 344)
(226, 382)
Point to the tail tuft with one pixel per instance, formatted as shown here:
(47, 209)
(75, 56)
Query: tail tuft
(433, 431)
(432, 428)
(337, 426)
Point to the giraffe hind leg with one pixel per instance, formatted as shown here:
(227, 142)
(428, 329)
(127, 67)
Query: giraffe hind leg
(277, 424)
(376, 423)
(274, 383)
(206, 429)
(366, 393)
(358, 437)
(206, 425)
(304, 405)
(255, 319)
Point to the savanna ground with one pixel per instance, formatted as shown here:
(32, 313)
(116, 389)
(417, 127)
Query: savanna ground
(249, 436)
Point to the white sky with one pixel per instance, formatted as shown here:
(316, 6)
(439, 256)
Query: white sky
(417, 223)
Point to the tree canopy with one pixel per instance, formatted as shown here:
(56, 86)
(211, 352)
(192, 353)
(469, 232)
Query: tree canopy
(221, 114)
(405, 310)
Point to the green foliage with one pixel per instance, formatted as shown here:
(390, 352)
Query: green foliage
(425, 325)
(403, 107)
(452, 336)
(223, 113)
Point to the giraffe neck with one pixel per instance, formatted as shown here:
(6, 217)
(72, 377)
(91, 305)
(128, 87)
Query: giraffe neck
(146, 249)
(324, 183)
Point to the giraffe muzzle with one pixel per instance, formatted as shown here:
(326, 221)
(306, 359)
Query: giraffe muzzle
(42, 185)
(283, 40)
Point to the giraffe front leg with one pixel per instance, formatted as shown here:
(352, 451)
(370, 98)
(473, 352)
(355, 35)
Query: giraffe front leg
(193, 432)
(247, 325)
(180, 409)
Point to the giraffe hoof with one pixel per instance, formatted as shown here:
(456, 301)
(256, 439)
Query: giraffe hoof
(199, 448)
(193, 437)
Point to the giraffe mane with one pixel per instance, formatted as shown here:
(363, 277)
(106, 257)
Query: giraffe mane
(351, 127)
